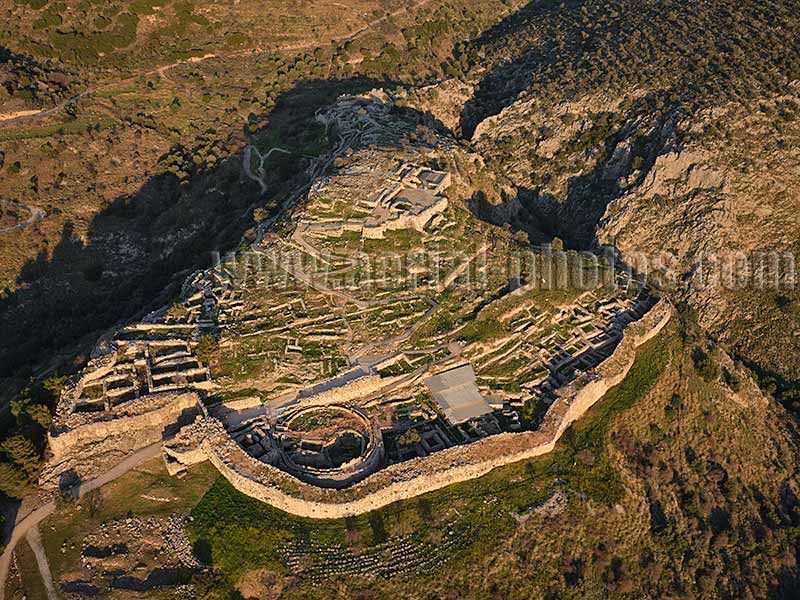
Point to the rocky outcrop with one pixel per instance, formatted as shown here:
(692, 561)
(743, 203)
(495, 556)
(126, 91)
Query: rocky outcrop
(712, 214)
(444, 101)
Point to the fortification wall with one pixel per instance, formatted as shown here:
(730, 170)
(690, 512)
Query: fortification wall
(146, 426)
(418, 476)
(350, 391)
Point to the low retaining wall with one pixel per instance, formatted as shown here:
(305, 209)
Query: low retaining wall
(421, 475)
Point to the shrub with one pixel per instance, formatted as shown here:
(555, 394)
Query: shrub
(207, 348)
(705, 365)
(731, 380)
(409, 438)
(260, 214)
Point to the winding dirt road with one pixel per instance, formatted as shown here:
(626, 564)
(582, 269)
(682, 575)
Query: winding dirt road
(37, 214)
(353, 35)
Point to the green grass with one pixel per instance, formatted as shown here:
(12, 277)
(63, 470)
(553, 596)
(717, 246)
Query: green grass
(71, 522)
(225, 521)
(114, 93)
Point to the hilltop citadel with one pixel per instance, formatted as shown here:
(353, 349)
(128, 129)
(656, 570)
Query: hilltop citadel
(337, 386)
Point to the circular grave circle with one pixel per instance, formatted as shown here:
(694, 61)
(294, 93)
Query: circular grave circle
(329, 446)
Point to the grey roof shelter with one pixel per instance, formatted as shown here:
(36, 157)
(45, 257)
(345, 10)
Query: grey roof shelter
(458, 395)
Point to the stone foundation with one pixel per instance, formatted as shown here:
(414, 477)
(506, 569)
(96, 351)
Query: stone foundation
(207, 439)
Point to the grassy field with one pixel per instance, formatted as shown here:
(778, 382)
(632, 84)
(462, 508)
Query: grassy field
(62, 533)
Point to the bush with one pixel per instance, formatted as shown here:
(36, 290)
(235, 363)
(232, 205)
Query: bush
(732, 380)
(409, 438)
(260, 214)
(675, 404)
(705, 365)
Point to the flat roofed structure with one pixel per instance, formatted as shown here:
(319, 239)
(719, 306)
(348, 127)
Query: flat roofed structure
(457, 393)
(410, 209)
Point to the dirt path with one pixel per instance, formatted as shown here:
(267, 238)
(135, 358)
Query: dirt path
(37, 214)
(259, 176)
(28, 116)
(31, 521)
(35, 542)
(17, 114)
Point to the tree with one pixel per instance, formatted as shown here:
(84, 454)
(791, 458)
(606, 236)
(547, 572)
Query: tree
(21, 451)
(259, 214)
(409, 438)
(705, 365)
(39, 414)
(93, 501)
(13, 481)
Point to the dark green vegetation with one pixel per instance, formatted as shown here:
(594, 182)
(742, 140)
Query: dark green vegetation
(23, 441)
(30, 80)
(687, 54)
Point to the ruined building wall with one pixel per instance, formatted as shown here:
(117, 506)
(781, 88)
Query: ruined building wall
(349, 392)
(418, 476)
(145, 427)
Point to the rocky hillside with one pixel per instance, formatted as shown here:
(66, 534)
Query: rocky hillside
(667, 130)
(677, 485)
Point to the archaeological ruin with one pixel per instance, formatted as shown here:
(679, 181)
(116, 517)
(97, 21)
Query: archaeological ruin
(383, 344)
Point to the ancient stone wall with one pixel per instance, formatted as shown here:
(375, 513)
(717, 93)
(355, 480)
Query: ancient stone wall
(162, 410)
(350, 391)
(352, 472)
(419, 476)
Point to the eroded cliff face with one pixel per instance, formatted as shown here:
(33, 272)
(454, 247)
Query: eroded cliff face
(707, 202)
(717, 214)
(443, 101)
